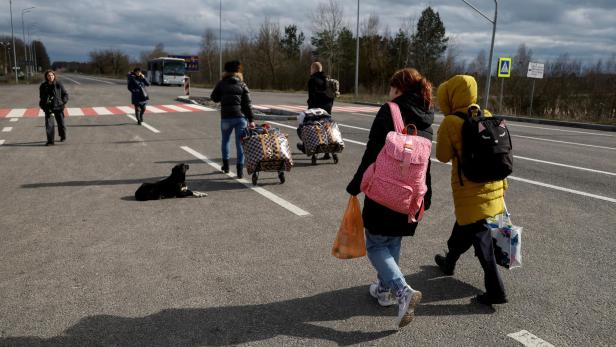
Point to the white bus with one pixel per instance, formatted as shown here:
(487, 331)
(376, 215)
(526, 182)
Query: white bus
(166, 71)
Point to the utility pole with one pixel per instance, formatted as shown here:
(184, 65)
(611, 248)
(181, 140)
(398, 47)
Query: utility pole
(357, 55)
(220, 40)
(13, 38)
(489, 72)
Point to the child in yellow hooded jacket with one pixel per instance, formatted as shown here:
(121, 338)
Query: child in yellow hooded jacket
(474, 202)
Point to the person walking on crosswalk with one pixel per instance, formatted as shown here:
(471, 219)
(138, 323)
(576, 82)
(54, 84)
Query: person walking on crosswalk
(52, 100)
(139, 95)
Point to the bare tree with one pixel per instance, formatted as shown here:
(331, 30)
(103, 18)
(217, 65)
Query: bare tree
(268, 48)
(207, 54)
(327, 22)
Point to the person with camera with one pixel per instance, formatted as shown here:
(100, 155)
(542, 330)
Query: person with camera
(139, 95)
(52, 100)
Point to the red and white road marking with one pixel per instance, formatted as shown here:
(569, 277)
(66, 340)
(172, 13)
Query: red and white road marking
(300, 108)
(101, 111)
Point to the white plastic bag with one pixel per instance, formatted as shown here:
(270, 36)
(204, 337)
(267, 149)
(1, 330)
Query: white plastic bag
(507, 240)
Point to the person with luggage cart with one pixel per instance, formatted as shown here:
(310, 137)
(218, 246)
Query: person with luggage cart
(317, 97)
(410, 106)
(235, 111)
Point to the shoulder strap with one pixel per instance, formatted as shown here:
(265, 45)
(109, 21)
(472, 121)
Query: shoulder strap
(396, 116)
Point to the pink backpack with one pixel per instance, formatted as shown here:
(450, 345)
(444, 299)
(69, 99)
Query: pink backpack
(397, 180)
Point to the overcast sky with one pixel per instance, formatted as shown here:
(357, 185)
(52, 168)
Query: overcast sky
(72, 28)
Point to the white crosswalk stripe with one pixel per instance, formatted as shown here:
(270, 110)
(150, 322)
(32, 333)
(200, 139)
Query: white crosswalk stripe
(176, 108)
(16, 112)
(101, 111)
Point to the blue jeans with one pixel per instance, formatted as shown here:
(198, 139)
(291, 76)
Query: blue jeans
(226, 128)
(384, 254)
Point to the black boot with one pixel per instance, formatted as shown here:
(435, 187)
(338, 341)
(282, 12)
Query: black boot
(444, 265)
(225, 166)
(240, 171)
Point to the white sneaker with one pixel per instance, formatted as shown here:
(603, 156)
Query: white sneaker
(406, 306)
(384, 296)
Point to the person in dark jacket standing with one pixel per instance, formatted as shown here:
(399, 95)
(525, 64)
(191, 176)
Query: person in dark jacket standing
(136, 84)
(317, 85)
(317, 97)
(235, 112)
(384, 227)
(52, 100)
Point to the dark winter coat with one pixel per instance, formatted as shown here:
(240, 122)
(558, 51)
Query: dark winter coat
(136, 85)
(52, 96)
(378, 219)
(234, 98)
(317, 84)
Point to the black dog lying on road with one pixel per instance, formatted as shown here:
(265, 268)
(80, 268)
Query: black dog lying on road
(173, 186)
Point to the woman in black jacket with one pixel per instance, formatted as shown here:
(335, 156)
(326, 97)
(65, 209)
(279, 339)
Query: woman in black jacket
(235, 112)
(384, 227)
(52, 100)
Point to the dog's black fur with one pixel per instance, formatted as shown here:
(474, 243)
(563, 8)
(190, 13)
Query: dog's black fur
(173, 186)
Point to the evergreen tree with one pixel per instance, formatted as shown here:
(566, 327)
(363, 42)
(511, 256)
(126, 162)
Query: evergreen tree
(428, 42)
(292, 42)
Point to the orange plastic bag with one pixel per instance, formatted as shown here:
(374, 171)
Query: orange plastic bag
(350, 242)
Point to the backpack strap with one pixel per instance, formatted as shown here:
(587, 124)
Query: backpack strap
(396, 116)
(464, 116)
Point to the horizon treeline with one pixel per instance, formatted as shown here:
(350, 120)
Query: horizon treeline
(278, 58)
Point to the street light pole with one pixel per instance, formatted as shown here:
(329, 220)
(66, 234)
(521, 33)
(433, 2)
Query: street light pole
(489, 74)
(13, 38)
(220, 40)
(23, 31)
(357, 54)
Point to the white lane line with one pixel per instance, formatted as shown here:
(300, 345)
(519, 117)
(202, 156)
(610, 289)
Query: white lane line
(514, 178)
(155, 109)
(72, 80)
(95, 79)
(565, 165)
(1, 142)
(563, 130)
(563, 189)
(267, 194)
(144, 124)
(126, 109)
(565, 142)
(7, 129)
(521, 157)
(363, 114)
(529, 340)
(353, 127)
(355, 142)
(176, 108)
(14, 119)
(16, 112)
(74, 111)
(199, 107)
(101, 111)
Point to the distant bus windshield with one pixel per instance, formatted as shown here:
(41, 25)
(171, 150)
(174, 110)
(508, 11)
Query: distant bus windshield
(174, 68)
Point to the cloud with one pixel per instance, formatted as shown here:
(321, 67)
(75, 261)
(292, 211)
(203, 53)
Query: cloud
(73, 28)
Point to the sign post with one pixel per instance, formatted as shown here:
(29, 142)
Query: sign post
(504, 71)
(535, 71)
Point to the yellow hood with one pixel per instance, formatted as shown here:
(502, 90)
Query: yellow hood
(457, 94)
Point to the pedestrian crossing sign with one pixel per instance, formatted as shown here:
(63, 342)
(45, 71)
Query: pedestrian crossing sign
(504, 67)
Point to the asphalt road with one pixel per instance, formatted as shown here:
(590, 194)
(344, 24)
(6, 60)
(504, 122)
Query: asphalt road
(84, 264)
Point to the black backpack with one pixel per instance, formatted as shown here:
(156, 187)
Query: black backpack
(486, 148)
